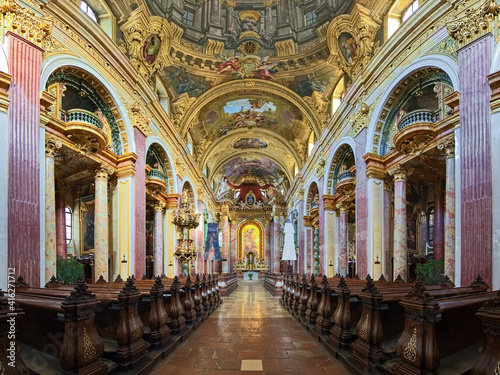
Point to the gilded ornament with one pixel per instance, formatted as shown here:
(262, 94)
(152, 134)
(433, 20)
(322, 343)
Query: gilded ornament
(410, 352)
(89, 351)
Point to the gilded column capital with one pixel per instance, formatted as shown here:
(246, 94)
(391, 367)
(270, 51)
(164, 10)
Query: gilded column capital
(159, 206)
(343, 208)
(172, 201)
(448, 148)
(400, 173)
(23, 22)
(471, 24)
(51, 145)
(103, 172)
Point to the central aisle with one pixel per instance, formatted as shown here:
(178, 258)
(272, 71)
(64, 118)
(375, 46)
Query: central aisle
(251, 331)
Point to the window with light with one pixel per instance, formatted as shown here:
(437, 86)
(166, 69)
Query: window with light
(311, 144)
(188, 18)
(310, 18)
(88, 10)
(69, 225)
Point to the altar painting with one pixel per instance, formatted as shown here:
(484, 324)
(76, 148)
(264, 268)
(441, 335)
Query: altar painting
(251, 240)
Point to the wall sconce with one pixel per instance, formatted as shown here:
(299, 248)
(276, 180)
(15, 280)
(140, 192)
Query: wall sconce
(377, 261)
(170, 264)
(331, 264)
(124, 260)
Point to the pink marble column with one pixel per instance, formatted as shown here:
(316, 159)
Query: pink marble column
(321, 233)
(475, 155)
(233, 248)
(438, 221)
(24, 159)
(388, 232)
(61, 246)
(50, 211)
(449, 215)
(140, 205)
(361, 206)
(267, 245)
(276, 245)
(400, 225)
(343, 261)
(308, 251)
(101, 230)
(199, 239)
(225, 242)
(158, 240)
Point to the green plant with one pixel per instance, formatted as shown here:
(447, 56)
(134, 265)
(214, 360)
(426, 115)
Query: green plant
(431, 271)
(69, 270)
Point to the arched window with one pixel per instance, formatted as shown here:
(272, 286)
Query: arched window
(311, 144)
(399, 13)
(430, 227)
(411, 9)
(88, 10)
(337, 95)
(68, 219)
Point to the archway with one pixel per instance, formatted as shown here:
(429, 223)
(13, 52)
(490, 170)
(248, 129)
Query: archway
(251, 243)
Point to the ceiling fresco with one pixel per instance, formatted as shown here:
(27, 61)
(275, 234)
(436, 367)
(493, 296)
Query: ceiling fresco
(266, 170)
(250, 143)
(182, 81)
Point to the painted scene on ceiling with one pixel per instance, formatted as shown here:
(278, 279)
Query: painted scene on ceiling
(249, 143)
(266, 170)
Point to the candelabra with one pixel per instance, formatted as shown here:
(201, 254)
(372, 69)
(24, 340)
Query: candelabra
(185, 220)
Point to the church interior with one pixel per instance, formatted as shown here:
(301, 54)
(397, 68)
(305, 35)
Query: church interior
(275, 186)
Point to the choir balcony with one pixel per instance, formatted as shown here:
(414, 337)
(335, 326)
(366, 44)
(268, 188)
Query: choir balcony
(417, 117)
(346, 183)
(416, 130)
(85, 129)
(155, 179)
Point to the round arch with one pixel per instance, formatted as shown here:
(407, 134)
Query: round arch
(52, 63)
(445, 63)
(170, 167)
(246, 85)
(312, 192)
(241, 245)
(335, 155)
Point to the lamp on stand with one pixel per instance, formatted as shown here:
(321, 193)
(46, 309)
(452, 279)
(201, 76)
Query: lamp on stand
(185, 220)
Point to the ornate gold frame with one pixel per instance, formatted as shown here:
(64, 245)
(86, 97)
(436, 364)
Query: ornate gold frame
(261, 238)
(83, 208)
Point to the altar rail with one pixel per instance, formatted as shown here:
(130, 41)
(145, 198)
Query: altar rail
(227, 283)
(274, 284)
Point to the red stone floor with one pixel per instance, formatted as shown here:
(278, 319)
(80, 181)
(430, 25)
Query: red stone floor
(250, 325)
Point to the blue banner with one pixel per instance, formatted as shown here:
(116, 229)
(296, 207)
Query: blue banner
(212, 242)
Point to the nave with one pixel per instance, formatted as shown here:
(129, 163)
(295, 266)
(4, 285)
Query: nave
(250, 329)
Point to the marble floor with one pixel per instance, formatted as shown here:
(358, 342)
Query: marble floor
(250, 333)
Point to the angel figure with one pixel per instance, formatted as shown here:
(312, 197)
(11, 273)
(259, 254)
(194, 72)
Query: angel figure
(265, 70)
(231, 65)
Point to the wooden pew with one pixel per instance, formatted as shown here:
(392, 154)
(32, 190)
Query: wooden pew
(11, 361)
(81, 346)
(489, 361)
(436, 328)
(227, 284)
(273, 284)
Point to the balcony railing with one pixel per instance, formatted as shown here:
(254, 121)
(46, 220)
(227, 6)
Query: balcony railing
(418, 116)
(345, 176)
(81, 115)
(156, 173)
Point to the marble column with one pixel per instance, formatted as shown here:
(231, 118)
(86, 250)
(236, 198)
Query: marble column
(449, 214)
(400, 225)
(170, 235)
(26, 253)
(375, 255)
(4, 179)
(61, 246)
(267, 245)
(233, 248)
(336, 231)
(158, 240)
(438, 221)
(388, 232)
(362, 256)
(343, 261)
(316, 257)
(50, 210)
(329, 233)
(101, 231)
(225, 243)
(139, 250)
(276, 245)
(475, 154)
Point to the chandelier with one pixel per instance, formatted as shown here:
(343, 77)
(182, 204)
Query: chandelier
(185, 220)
